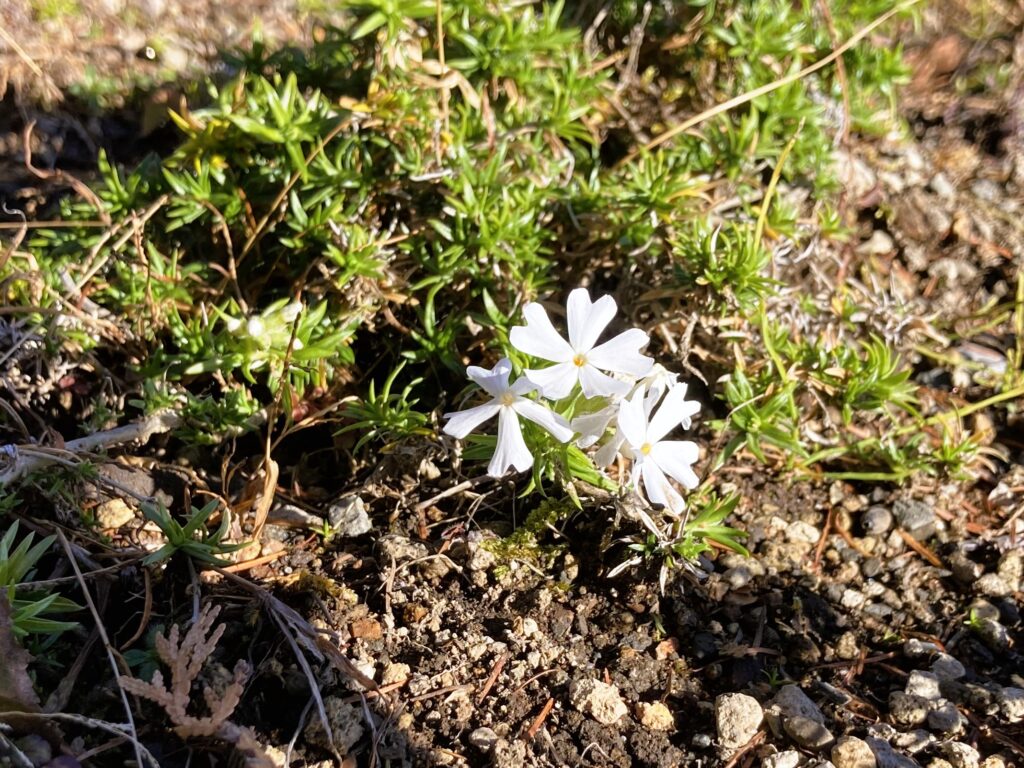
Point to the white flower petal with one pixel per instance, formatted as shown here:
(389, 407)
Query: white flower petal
(676, 459)
(547, 418)
(461, 423)
(511, 450)
(539, 337)
(586, 321)
(595, 383)
(670, 414)
(606, 453)
(622, 354)
(659, 490)
(522, 386)
(633, 420)
(495, 381)
(592, 426)
(555, 382)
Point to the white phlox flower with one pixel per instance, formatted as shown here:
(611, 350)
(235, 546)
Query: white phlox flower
(654, 458)
(581, 359)
(508, 403)
(657, 383)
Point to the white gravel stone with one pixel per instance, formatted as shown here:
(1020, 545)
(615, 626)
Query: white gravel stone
(946, 718)
(800, 532)
(851, 752)
(737, 716)
(961, 755)
(915, 648)
(599, 700)
(348, 517)
(923, 684)
(788, 759)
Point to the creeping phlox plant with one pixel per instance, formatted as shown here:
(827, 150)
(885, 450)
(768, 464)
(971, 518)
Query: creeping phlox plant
(607, 398)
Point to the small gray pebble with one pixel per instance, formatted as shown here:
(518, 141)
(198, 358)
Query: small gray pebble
(871, 567)
(877, 520)
(945, 667)
(946, 718)
(887, 757)
(483, 739)
(915, 517)
(808, 733)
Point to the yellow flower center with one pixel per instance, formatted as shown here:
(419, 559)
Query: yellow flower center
(645, 448)
(508, 398)
(579, 361)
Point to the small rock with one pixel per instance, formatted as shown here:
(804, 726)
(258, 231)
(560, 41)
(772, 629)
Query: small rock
(941, 186)
(483, 739)
(597, 699)
(346, 721)
(290, 516)
(656, 716)
(787, 759)
(852, 599)
(366, 628)
(915, 517)
(946, 718)
(887, 757)
(871, 566)
(737, 716)
(945, 667)
(851, 752)
(913, 741)
(992, 585)
(915, 648)
(906, 709)
(983, 609)
(923, 684)
(965, 570)
(113, 514)
(701, 740)
(395, 673)
(1011, 569)
(1011, 703)
(800, 532)
(993, 634)
(348, 517)
(847, 647)
(791, 701)
(960, 755)
(877, 520)
(879, 244)
(807, 733)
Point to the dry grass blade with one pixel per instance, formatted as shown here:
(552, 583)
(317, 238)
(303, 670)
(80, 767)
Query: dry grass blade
(106, 644)
(782, 82)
